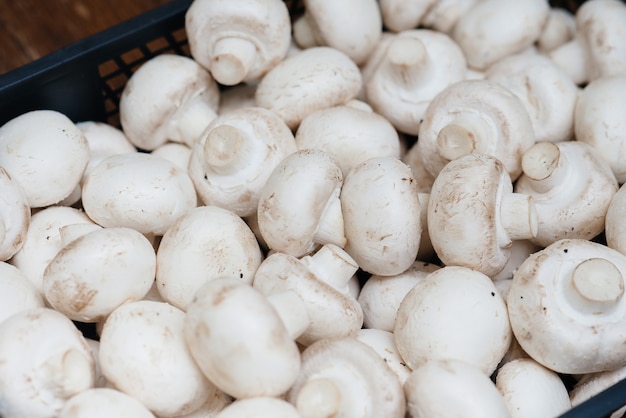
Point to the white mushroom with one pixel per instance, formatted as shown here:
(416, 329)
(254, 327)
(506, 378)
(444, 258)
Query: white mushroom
(558, 29)
(236, 154)
(400, 15)
(259, 407)
(17, 293)
(44, 360)
(592, 384)
(346, 378)
(176, 152)
(381, 212)
(14, 216)
(444, 14)
(143, 353)
(206, 243)
(46, 153)
(453, 313)
(104, 403)
(238, 41)
(239, 341)
(215, 404)
(566, 307)
(103, 140)
(382, 342)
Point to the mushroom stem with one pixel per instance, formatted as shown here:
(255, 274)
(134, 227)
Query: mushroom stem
(518, 216)
(597, 285)
(330, 229)
(68, 372)
(458, 139)
(226, 149)
(232, 59)
(319, 398)
(543, 166)
(191, 119)
(332, 265)
(292, 312)
(407, 62)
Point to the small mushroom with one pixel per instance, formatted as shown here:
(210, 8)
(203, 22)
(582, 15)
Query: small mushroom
(352, 27)
(558, 30)
(143, 353)
(473, 214)
(346, 378)
(493, 29)
(452, 388)
(236, 154)
(170, 97)
(454, 313)
(14, 216)
(46, 153)
(17, 293)
(44, 361)
(259, 407)
(417, 65)
(239, 341)
(572, 188)
(202, 245)
(530, 390)
(138, 190)
(566, 307)
(381, 212)
(475, 116)
(238, 41)
(401, 15)
(312, 79)
(104, 403)
(299, 206)
(444, 14)
(103, 140)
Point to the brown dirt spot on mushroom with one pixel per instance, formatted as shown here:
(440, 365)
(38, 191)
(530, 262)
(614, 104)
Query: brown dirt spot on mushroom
(83, 297)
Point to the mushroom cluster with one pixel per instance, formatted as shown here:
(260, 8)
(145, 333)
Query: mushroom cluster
(372, 209)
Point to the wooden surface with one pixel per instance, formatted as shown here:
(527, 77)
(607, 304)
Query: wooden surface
(30, 29)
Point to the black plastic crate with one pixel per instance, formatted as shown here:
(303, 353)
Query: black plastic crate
(85, 80)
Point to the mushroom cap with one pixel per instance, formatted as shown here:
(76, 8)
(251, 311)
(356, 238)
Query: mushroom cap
(592, 384)
(104, 403)
(229, 317)
(143, 351)
(263, 24)
(531, 390)
(230, 169)
(493, 29)
(381, 213)
(383, 343)
(367, 386)
(444, 14)
(97, 272)
(17, 292)
(400, 15)
(204, 244)
(44, 360)
(312, 79)
(332, 313)
(300, 193)
(452, 388)
(14, 216)
(453, 313)
(176, 152)
(46, 153)
(259, 407)
(138, 190)
(497, 122)
(349, 135)
(103, 140)
(566, 307)
(157, 91)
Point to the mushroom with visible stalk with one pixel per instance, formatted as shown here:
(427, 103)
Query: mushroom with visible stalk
(46, 153)
(597, 48)
(104, 403)
(381, 213)
(238, 41)
(452, 388)
(322, 283)
(170, 97)
(453, 313)
(17, 293)
(416, 66)
(299, 206)
(228, 316)
(474, 216)
(566, 307)
(547, 92)
(380, 296)
(204, 244)
(492, 29)
(312, 79)
(530, 390)
(572, 188)
(259, 407)
(236, 154)
(138, 190)
(15, 216)
(345, 378)
(475, 116)
(44, 361)
(558, 30)
(382, 342)
(97, 272)
(598, 120)
(352, 27)
(349, 134)
(143, 351)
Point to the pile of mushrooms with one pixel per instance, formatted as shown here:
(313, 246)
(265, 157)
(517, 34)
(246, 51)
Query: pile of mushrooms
(422, 217)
